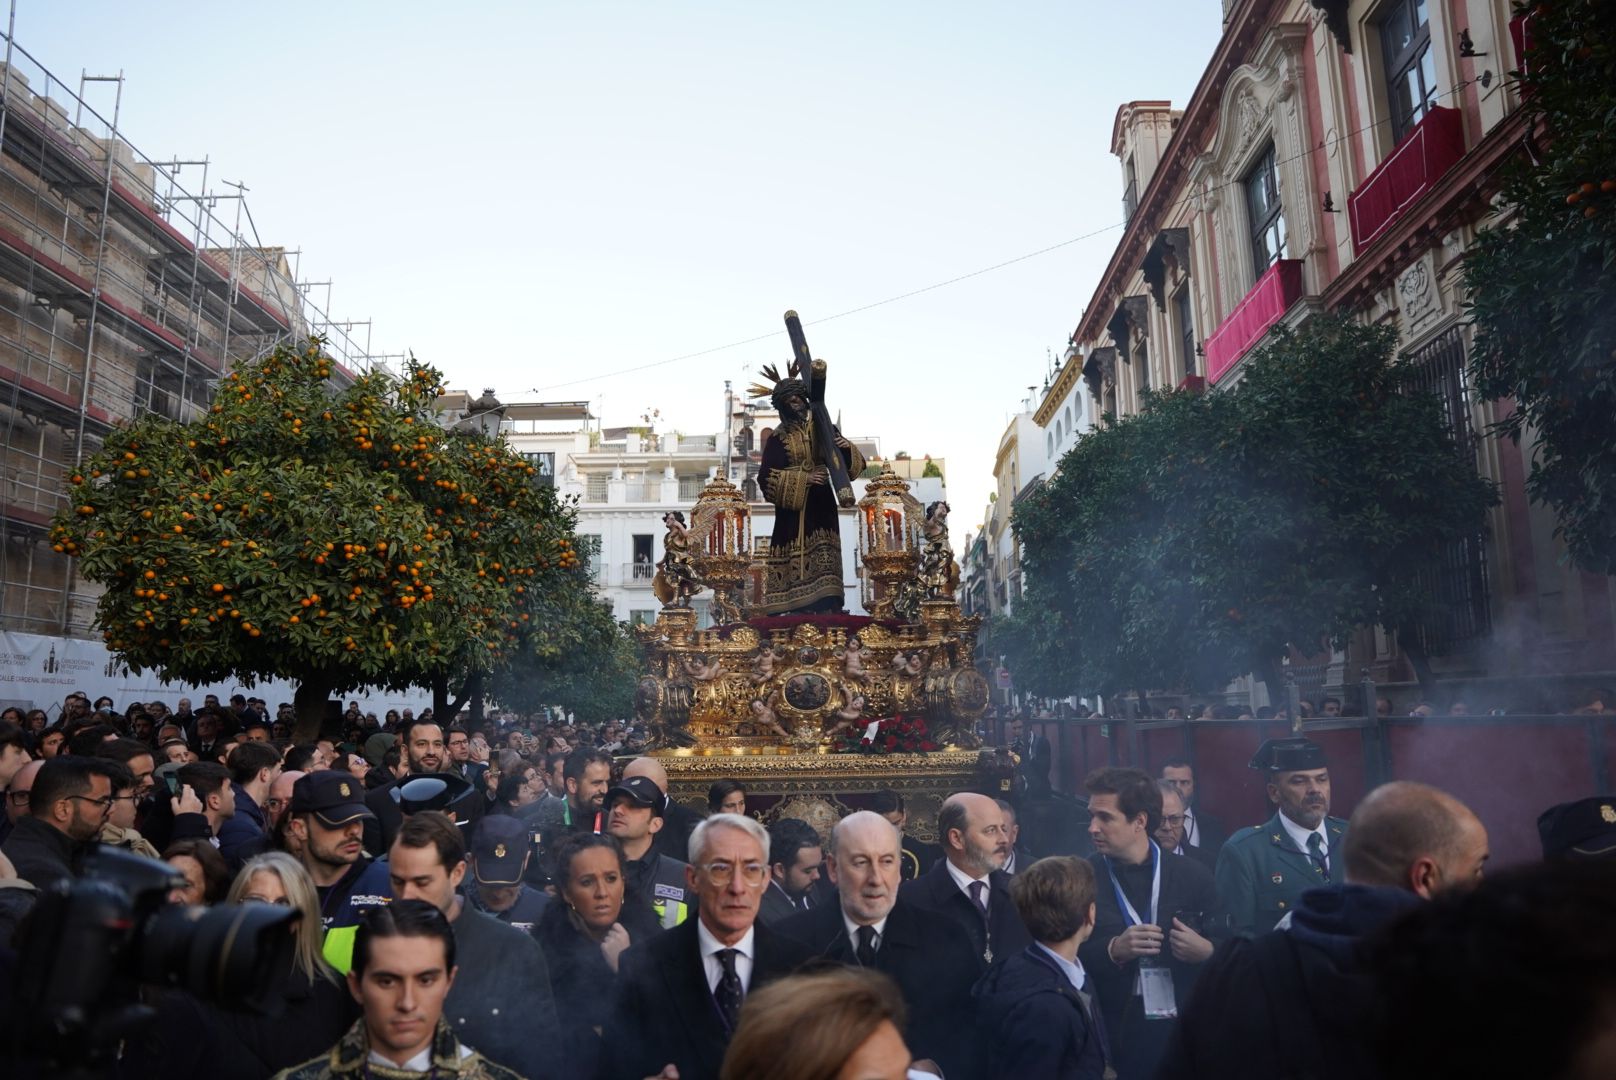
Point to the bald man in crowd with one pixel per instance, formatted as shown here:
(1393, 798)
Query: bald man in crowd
(968, 884)
(1296, 1001)
(870, 926)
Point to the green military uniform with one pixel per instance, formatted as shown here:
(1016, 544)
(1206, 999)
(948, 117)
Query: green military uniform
(1261, 873)
(350, 1060)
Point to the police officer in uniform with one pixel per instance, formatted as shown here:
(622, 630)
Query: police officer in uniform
(499, 853)
(634, 813)
(1264, 869)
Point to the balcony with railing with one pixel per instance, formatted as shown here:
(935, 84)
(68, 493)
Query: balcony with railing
(638, 575)
(1279, 287)
(1414, 167)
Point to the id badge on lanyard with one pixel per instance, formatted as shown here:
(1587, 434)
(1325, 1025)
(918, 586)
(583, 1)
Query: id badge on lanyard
(1154, 982)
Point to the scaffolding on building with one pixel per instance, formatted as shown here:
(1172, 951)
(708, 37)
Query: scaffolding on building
(122, 293)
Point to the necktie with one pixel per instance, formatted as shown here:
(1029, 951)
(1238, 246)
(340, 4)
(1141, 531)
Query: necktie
(866, 946)
(976, 888)
(1315, 851)
(729, 993)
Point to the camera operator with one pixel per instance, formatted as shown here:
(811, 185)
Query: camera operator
(69, 803)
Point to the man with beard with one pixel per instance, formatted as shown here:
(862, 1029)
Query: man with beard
(1147, 947)
(323, 830)
(1263, 870)
(424, 754)
(870, 926)
(803, 570)
(68, 803)
(588, 773)
(968, 883)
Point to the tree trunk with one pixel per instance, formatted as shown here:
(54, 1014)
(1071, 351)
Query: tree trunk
(1409, 639)
(1144, 709)
(474, 690)
(1267, 672)
(444, 710)
(308, 703)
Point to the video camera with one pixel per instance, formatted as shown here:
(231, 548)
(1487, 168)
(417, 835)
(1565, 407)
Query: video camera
(88, 947)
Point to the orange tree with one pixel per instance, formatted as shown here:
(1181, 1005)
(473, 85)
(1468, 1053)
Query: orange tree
(337, 538)
(571, 653)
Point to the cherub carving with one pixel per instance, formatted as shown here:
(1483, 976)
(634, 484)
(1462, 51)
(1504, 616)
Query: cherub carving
(848, 716)
(764, 716)
(853, 658)
(763, 664)
(703, 670)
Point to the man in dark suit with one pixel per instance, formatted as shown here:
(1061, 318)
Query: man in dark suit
(869, 926)
(795, 859)
(1170, 834)
(1033, 756)
(1147, 948)
(1019, 856)
(458, 743)
(679, 994)
(967, 884)
(1201, 829)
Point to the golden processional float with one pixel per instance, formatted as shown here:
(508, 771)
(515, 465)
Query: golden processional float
(812, 708)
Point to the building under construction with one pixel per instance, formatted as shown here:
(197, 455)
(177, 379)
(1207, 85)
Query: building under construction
(121, 293)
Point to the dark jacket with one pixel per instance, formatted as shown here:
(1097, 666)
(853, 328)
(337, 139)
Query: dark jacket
(1034, 1025)
(1210, 833)
(932, 965)
(776, 906)
(42, 853)
(501, 1004)
(1136, 1042)
(582, 980)
(664, 1011)
(1289, 1003)
(364, 886)
(524, 915)
(244, 833)
(379, 833)
(1003, 933)
(251, 1046)
(661, 883)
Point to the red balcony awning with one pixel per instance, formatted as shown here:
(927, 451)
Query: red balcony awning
(1413, 168)
(1269, 299)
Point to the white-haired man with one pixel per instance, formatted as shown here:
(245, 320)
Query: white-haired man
(679, 994)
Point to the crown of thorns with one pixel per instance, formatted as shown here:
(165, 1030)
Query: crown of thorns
(778, 389)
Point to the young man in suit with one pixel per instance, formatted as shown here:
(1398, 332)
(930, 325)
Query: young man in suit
(679, 994)
(1263, 871)
(968, 883)
(869, 926)
(795, 860)
(1147, 947)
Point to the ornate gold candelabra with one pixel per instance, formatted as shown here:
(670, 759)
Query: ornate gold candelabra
(889, 520)
(721, 527)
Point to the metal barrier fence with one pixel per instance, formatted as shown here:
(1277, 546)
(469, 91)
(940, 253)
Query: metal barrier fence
(1508, 769)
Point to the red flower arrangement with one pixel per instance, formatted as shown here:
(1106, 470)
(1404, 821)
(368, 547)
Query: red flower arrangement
(893, 735)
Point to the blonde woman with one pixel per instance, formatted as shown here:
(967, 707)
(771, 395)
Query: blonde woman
(318, 1009)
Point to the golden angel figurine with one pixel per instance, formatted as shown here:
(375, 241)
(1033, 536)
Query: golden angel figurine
(676, 581)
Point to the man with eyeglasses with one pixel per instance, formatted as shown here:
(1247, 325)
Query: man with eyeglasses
(17, 795)
(68, 803)
(1170, 834)
(679, 994)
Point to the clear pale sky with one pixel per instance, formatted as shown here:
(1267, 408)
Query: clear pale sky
(533, 196)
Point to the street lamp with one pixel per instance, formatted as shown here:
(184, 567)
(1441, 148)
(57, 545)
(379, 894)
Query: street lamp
(485, 415)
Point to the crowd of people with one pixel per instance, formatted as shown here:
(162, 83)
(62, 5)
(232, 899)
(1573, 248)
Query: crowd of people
(499, 899)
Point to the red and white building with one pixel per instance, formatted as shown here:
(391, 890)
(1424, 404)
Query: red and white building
(1340, 155)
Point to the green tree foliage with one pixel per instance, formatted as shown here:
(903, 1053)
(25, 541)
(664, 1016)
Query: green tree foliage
(576, 657)
(931, 469)
(1542, 284)
(335, 538)
(1201, 538)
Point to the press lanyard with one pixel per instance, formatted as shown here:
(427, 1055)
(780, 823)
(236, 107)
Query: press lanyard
(1129, 915)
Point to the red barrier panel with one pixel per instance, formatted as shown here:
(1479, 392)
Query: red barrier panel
(1507, 773)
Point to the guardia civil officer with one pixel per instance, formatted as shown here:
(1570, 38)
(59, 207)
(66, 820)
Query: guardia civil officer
(1263, 870)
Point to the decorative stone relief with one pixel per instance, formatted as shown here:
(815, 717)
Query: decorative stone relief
(1418, 296)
